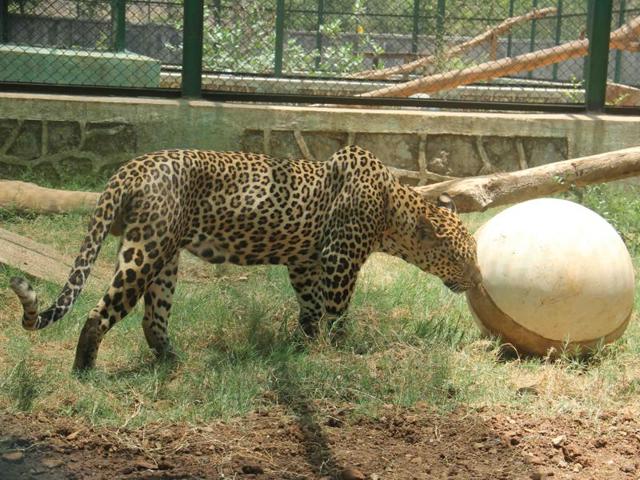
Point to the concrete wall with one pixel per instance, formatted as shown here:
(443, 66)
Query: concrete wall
(93, 134)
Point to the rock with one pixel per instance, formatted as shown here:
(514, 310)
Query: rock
(628, 468)
(600, 443)
(145, 465)
(352, 474)
(252, 468)
(334, 422)
(535, 460)
(14, 456)
(52, 462)
(73, 435)
(559, 441)
(527, 390)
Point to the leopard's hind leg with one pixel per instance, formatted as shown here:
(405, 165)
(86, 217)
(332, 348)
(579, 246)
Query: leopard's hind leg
(157, 306)
(139, 263)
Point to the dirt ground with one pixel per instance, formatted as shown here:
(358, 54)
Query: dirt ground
(304, 444)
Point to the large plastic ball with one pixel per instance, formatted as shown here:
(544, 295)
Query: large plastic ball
(556, 277)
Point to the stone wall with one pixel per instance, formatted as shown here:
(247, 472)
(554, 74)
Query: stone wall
(53, 135)
(56, 147)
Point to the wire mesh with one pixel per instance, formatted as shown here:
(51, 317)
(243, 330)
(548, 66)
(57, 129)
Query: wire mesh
(504, 50)
(114, 43)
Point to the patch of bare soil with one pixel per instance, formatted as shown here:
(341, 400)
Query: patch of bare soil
(299, 443)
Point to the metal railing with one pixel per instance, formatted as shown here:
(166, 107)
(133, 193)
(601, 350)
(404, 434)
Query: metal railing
(415, 52)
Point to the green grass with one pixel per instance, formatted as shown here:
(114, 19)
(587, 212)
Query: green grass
(408, 341)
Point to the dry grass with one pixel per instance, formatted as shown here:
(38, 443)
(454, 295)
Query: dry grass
(408, 341)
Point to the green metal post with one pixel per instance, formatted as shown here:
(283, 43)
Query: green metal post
(119, 16)
(192, 48)
(442, 10)
(558, 37)
(319, 33)
(585, 65)
(416, 26)
(4, 21)
(618, 65)
(510, 38)
(599, 33)
(532, 42)
(279, 47)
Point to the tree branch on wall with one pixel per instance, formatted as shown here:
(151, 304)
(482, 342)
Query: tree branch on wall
(622, 38)
(488, 36)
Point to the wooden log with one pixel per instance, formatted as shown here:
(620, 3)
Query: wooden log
(480, 193)
(29, 196)
(490, 35)
(620, 38)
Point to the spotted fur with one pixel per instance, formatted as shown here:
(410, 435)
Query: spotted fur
(321, 219)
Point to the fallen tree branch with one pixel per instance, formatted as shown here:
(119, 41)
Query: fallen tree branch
(620, 38)
(480, 193)
(471, 194)
(488, 35)
(29, 196)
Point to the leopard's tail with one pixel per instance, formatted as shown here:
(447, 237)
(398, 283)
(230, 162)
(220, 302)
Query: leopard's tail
(108, 209)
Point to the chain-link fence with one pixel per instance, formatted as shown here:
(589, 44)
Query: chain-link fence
(520, 51)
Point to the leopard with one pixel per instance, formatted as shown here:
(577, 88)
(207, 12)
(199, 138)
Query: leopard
(322, 219)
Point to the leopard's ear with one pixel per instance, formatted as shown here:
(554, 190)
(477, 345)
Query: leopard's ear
(444, 200)
(424, 230)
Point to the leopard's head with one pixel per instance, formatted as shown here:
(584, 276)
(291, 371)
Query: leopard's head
(445, 247)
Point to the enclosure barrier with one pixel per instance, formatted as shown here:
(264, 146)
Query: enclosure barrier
(518, 54)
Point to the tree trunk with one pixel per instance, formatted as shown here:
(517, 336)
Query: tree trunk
(475, 194)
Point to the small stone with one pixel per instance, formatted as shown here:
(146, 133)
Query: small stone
(14, 456)
(628, 468)
(73, 435)
(334, 422)
(535, 460)
(577, 467)
(352, 474)
(375, 476)
(600, 443)
(527, 390)
(559, 441)
(52, 462)
(145, 465)
(252, 468)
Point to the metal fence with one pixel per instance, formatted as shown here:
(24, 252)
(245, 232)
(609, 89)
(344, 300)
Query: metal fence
(516, 51)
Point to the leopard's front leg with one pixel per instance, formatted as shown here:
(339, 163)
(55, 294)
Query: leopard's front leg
(340, 272)
(305, 280)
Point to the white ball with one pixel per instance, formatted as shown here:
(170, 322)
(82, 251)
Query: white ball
(556, 276)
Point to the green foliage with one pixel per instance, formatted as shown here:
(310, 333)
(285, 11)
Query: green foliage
(249, 45)
(619, 204)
